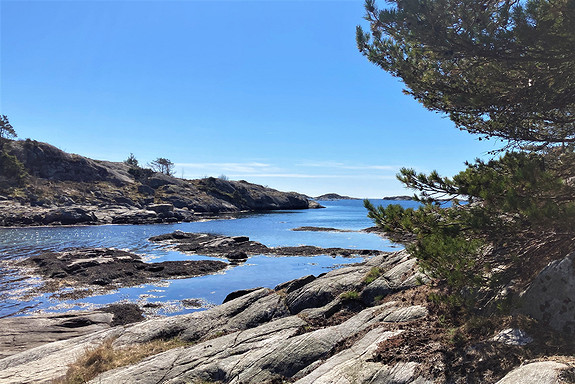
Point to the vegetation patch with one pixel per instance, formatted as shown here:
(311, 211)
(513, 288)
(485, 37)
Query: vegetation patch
(105, 357)
(372, 275)
(349, 296)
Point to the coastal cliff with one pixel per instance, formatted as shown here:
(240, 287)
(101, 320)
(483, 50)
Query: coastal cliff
(55, 187)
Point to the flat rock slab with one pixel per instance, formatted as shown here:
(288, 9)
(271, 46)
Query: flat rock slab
(110, 268)
(218, 245)
(18, 334)
(21, 333)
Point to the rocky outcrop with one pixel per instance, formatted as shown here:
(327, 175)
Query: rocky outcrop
(334, 196)
(551, 295)
(240, 247)
(543, 372)
(45, 161)
(82, 270)
(255, 337)
(20, 334)
(360, 324)
(68, 189)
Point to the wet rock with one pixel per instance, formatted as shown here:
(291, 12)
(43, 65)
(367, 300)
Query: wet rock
(218, 245)
(69, 215)
(236, 256)
(112, 268)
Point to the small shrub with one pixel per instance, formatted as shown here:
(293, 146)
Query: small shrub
(372, 275)
(12, 171)
(349, 295)
(140, 173)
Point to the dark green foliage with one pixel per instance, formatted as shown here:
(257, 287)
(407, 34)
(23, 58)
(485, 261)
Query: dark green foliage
(497, 68)
(520, 193)
(349, 296)
(6, 129)
(504, 69)
(139, 173)
(131, 161)
(12, 172)
(372, 275)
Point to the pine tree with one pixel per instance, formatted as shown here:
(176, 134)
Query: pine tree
(497, 68)
(6, 129)
(503, 69)
(163, 165)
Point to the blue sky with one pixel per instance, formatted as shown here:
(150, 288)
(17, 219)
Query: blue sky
(273, 92)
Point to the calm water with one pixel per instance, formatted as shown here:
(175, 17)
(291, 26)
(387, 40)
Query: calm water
(272, 229)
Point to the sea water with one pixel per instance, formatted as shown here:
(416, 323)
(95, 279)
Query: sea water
(273, 229)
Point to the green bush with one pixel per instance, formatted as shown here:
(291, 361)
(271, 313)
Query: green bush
(12, 172)
(373, 274)
(349, 295)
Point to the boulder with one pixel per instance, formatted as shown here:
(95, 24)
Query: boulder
(321, 291)
(161, 208)
(69, 215)
(544, 372)
(146, 190)
(159, 180)
(551, 295)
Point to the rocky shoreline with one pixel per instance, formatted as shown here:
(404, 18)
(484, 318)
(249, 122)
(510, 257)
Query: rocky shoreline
(78, 273)
(365, 323)
(84, 272)
(66, 189)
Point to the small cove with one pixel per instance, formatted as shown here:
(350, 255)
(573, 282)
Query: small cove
(270, 228)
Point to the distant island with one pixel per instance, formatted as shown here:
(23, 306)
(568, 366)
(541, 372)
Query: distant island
(334, 196)
(397, 198)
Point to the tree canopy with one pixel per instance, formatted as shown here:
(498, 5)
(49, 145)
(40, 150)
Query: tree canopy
(6, 129)
(132, 161)
(163, 165)
(503, 69)
(498, 68)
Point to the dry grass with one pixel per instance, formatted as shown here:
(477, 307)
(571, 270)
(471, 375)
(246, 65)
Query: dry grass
(105, 357)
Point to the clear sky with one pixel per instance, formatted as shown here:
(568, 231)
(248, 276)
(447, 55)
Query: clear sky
(272, 92)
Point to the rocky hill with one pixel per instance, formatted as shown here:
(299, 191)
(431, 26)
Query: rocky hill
(63, 188)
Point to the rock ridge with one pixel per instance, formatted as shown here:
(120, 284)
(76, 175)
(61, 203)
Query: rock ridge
(69, 189)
